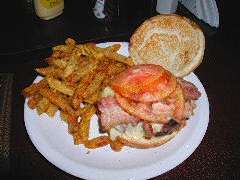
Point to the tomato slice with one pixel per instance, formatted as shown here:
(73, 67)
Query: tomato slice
(179, 103)
(137, 77)
(157, 91)
(146, 111)
(144, 83)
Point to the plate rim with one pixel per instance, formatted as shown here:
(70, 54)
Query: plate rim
(149, 171)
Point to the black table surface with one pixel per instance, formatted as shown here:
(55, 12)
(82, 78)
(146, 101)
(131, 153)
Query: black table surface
(217, 157)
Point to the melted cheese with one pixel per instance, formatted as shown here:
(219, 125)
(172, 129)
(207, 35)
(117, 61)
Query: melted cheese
(114, 133)
(135, 132)
(107, 92)
(156, 127)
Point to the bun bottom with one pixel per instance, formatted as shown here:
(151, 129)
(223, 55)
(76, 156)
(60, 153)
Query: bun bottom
(143, 143)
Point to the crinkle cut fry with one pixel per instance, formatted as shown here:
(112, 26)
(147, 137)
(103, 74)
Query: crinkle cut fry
(111, 54)
(70, 44)
(72, 122)
(34, 88)
(89, 49)
(51, 110)
(113, 48)
(94, 85)
(92, 92)
(72, 63)
(97, 142)
(50, 72)
(84, 70)
(57, 99)
(116, 145)
(61, 48)
(93, 98)
(33, 101)
(84, 127)
(56, 53)
(58, 62)
(42, 105)
(118, 57)
(60, 86)
(114, 69)
(78, 95)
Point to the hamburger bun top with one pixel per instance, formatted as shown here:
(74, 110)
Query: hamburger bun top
(172, 41)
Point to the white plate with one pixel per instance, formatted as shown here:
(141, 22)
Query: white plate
(52, 140)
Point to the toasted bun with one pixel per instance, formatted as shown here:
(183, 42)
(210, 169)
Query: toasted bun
(172, 41)
(147, 143)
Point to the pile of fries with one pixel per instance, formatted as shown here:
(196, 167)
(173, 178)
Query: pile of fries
(76, 75)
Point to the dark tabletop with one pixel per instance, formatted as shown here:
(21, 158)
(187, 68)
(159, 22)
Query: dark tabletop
(217, 157)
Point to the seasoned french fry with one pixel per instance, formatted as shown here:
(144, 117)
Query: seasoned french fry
(78, 96)
(50, 71)
(57, 99)
(60, 86)
(80, 48)
(64, 116)
(106, 82)
(64, 49)
(93, 98)
(60, 48)
(97, 142)
(77, 138)
(73, 125)
(113, 48)
(56, 54)
(70, 42)
(72, 63)
(59, 63)
(84, 126)
(116, 68)
(118, 57)
(42, 105)
(107, 52)
(71, 121)
(34, 88)
(64, 55)
(51, 110)
(33, 101)
(83, 110)
(90, 50)
(84, 70)
(94, 85)
(116, 145)
(113, 70)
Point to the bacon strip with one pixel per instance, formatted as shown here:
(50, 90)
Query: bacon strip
(156, 112)
(148, 128)
(113, 115)
(189, 108)
(190, 90)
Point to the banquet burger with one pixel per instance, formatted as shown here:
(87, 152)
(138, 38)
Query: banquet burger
(148, 104)
(145, 106)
